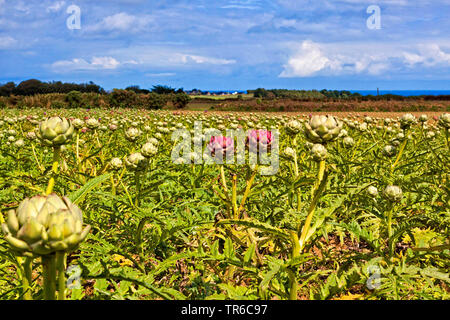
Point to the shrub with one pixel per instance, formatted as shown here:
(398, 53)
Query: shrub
(122, 98)
(57, 105)
(74, 99)
(180, 100)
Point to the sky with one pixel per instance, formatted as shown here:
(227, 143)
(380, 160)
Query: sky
(229, 44)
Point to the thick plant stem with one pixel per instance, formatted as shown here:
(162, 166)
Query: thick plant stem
(247, 190)
(296, 174)
(78, 149)
(400, 153)
(293, 285)
(321, 182)
(321, 172)
(234, 197)
(26, 279)
(224, 181)
(389, 230)
(137, 179)
(49, 273)
(294, 254)
(56, 157)
(61, 267)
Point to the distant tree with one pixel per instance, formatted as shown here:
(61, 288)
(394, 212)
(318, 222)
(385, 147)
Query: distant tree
(7, 89)
(30, 87)
(260, 93)
(163, 89)
(137, 89)
(180, 100)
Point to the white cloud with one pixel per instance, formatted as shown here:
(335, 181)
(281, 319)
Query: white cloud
(7, 42)
(314, 59)
(189, 59)
(308, 61)
(122, 22)
(162, 74)
(97, 63)
(429, 55)
(56, 6)
(168, 56)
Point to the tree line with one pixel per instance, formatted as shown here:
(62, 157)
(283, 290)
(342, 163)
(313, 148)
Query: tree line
(35, 93)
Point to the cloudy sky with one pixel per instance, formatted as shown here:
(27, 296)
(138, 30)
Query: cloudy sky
(229, 44)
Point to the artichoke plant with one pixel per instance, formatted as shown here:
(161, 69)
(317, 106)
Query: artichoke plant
(136, 161)
(322, 129)
(293, 127)
(55, 131)
(148, 150)
(444, 120)
(116, 163)
(318, 152)
(393, 193)
(43, 225)
(132, 134)
(407, 120)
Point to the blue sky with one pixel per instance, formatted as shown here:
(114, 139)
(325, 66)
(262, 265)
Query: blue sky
(229, 44)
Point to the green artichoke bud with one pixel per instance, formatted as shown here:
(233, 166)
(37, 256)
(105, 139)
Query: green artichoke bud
(78, 123)
(389, 150)
(135, 161)
(444, 120)
(393, 193)
(42, 225)
(372, 191)
(289, 152)
(322, 129)
(423, 118)
(116, 163)
(407, 120)
(293, 127)
(132, 134)
(148, 150)
(430, 134)
(348, 142)
(55, 131)
(153, 141)
(319, 152)
(92, 123)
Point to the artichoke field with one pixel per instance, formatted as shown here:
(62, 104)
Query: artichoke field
(96, 204)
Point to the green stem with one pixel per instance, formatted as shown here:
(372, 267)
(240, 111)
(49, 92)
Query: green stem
(224, 181)
(400, 153)
(61, 267)
(317, 191)
(49, 273)
(296, 174)
(234, 196)
(56, 157)
(137, 179)
(293, 285)
(26, 279)
(247, 190)
(389, 230)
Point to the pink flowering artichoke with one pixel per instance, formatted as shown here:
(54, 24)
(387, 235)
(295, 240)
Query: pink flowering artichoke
(261, 138)
(220, 146)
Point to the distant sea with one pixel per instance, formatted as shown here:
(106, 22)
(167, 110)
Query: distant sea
(404, 93)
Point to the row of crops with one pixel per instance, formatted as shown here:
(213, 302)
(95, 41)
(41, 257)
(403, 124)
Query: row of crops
(138, 204)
